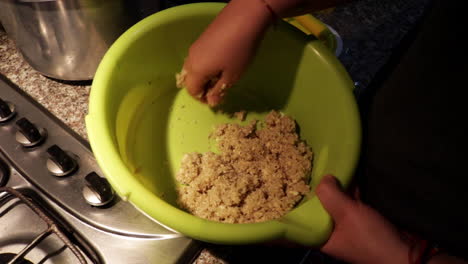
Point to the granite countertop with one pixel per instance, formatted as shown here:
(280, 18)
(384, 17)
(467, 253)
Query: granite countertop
(69, 102)
(370, 29)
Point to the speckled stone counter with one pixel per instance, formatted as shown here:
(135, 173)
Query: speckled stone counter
(69, 102)
(370, 29)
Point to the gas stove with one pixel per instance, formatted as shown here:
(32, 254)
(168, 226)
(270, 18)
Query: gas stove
(55, 204)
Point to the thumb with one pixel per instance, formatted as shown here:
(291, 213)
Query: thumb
(333, 199)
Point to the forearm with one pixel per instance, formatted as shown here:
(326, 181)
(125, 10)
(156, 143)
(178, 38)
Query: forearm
(289, 8)
(286, 8)
(249, 16)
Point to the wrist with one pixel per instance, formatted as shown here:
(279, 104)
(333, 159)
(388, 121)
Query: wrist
(422, 252)
(444, 259)
(391, 254)
(398, 254)
(256, 12)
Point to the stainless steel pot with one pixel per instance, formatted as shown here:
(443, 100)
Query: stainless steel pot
(66, 39)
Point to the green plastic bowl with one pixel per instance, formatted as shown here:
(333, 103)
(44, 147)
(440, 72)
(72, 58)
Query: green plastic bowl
(140, 125)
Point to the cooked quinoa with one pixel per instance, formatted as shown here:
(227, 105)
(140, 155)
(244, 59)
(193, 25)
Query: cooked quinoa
(258, 175)
(240, 115)
(180, 78)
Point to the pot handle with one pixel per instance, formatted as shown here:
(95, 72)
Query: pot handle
(312, 26)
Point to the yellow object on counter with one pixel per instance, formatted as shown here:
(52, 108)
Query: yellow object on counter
(312, 26)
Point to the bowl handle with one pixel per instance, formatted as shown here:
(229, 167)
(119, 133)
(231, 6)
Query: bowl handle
(312, 26)
(309, 224)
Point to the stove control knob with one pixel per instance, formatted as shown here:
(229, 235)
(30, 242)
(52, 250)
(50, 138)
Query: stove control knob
(60, 163)
(28, 134)
(97, 190)
(7, 111)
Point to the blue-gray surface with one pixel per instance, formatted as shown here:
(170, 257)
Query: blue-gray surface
(370, 30)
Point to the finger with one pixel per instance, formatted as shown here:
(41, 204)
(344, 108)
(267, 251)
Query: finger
(216, 94)
(195, 84)
(333, 199)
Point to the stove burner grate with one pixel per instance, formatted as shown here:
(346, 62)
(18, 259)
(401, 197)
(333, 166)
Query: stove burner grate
(8, 257)
(52, 228)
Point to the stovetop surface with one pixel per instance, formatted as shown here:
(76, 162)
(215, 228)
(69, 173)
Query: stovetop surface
(61, 175)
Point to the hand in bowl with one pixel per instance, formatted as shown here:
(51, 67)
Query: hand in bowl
(221, 54)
